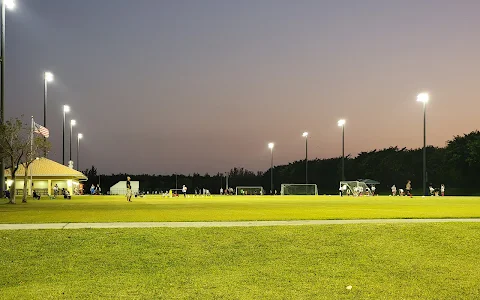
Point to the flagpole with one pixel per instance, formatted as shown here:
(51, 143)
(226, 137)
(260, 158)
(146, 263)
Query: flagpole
(31, 156)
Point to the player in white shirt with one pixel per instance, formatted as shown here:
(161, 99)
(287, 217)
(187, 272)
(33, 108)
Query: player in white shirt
(373, 190)
(343, 190)
(442, 190)
(221, 191)
(401, 192)
(184, 191)
(394, 190)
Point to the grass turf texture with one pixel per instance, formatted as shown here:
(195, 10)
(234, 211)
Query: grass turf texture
(236, 208)
(420, 261)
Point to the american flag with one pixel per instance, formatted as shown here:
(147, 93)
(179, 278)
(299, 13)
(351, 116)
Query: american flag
(41, 130)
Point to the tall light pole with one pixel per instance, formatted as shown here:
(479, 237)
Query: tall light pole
(424, 97)
(66, 109)
(341, 123)
(271, 145)
(10, 4)
(47, 77)
(72, 123)
(305, 135)
(79, 137)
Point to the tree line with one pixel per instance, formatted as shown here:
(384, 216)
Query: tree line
(457, 165)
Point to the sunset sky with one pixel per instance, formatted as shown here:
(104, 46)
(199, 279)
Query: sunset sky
(203, 86)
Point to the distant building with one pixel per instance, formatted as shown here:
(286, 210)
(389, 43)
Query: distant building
(120, 188)
(46, 174)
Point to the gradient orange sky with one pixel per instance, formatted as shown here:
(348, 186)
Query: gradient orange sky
(203, 86)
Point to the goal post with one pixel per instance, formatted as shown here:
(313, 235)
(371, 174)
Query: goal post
(355, 188)
(298, 189)
(249, 190)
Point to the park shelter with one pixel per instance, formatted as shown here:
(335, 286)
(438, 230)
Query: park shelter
(45, 174)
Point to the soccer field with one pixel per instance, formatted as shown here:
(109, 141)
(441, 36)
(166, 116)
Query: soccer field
(400, 261)
(236, 208)
(381, 261)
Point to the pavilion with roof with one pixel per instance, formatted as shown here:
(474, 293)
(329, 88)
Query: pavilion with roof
(45, 174)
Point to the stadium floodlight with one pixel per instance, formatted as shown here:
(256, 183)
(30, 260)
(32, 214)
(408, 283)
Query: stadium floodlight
(424, 97)
(72, 123)
(66, 109)
(5, 4)
(48, 76)
(305, 135)
(10, 4)
(79, 137)
(271, 145)
(341, 123)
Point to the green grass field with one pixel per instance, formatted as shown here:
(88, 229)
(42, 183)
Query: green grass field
(236, 208)
(379, 261)
(401, 261)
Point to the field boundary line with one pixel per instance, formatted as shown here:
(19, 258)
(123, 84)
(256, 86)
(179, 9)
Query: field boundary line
(227, 223)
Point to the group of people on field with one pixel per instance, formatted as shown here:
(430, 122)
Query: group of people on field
(402, 192)
(408, 190)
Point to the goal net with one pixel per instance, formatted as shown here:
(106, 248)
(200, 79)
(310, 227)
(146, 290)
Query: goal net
(355, 188)
(249, 190)
(299, 189)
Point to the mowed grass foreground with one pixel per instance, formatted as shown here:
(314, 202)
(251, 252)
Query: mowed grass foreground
(236, 208)
(401, 261)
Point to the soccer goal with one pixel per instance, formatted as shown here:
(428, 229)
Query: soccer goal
(356, 188)
(249, 190)
(298, 189)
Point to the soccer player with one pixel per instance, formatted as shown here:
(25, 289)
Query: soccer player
(408, 188)
(184, 191)
(129, 190)
(394, 190)
(343, 190)
(442, 189)
(432, 190)
(373, 190)
(401, 192)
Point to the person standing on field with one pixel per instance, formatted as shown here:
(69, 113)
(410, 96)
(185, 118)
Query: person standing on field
(442, 190)
(129, 190)
(394, 190)
(184, 191)
(408, 188)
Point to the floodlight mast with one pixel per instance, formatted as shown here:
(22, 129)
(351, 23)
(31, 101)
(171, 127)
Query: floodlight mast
(424, 97)
(5, 4)
(305, 135)
(271, 146)
(79, 137)
(66, 109)
(72, 123)
(341, 123)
